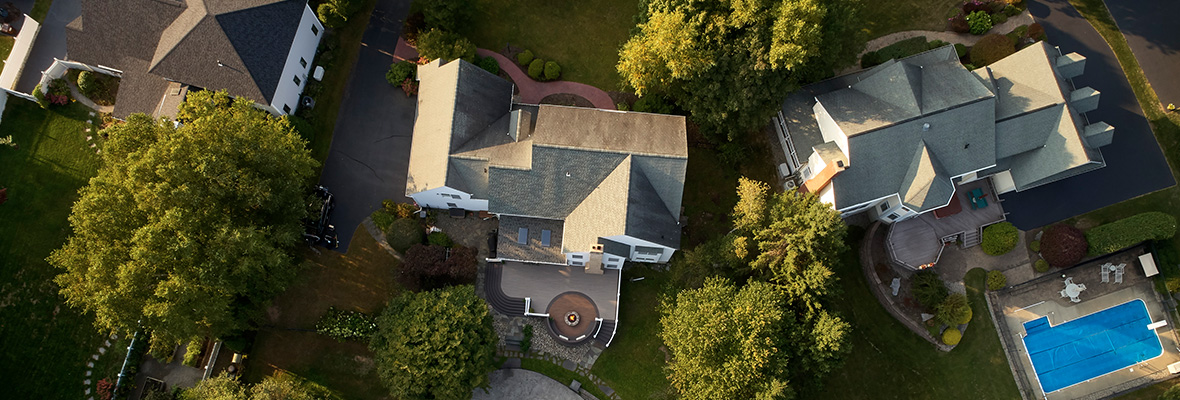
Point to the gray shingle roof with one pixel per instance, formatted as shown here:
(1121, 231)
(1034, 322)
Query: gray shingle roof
(139, 90)
(185, 41)
(925, 185)
(507, 246)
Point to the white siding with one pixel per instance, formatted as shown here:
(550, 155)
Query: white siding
(608, 261)
(444, 198)
(304, 45)
(663, 257)
(829, 129)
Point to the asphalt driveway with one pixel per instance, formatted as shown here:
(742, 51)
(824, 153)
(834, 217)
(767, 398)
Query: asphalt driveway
(1135, 165)
(370, 150)
(50, 43)
(1147, 25)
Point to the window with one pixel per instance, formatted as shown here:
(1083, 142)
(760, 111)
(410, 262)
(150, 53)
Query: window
(455, 196)
(303, 62)
(452, 205)
(893, 216)
(884, 207)
(315, 30)
(545, 236)
(576, 256)
(522, 236)
(298, 81)
(286, 109)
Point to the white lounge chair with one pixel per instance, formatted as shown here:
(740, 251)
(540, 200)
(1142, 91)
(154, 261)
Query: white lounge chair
(1106, 273)
(1118, 276)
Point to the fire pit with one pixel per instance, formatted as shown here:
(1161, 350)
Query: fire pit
(572, 318)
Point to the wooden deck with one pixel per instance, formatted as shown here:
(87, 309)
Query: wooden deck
(918, 242)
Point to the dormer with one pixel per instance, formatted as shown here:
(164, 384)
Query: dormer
(1071, 65)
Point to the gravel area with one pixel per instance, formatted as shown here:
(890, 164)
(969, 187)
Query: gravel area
(512, 328)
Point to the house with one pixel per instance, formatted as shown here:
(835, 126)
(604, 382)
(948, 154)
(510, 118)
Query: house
(571, 186)
(258, 49)
(897, 141)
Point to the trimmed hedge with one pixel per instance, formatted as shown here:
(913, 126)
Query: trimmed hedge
(537, 69)
(1036, 31)
(999, 239)
(960, 49)
(1063, 246)
(951, 336)
(489, 64)
(991, 48)
(1035, 246)
(552, 70)
(399, 72)
(996, 280)
(1128, 231)
(954, 310)
(439, 239)
(524, 58)
(1041, 266)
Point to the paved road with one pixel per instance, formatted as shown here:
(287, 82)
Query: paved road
(1147, 25)
(522, 384)
(1135, 163)
(370, 150)
(50, 43)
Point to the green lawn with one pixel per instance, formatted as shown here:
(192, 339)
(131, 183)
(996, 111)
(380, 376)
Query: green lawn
(889, 361)
(884, 17)
(6, 43)
(1152, 392)
(633, 365)
(560, 374)
(43, 342)
(40, 10)
(583, 36)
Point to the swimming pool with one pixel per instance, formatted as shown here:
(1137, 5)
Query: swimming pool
(1090, 346)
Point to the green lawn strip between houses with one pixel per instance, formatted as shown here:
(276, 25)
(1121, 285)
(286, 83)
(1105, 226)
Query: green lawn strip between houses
(6, 43)
(40, 10)
(44, 342)
(560, 374)
(584, 37)
(881, 18)
(633, 365)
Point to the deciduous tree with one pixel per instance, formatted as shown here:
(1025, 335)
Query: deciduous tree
(435, 345)
(448, 46)
(187, 230)
(221, 387)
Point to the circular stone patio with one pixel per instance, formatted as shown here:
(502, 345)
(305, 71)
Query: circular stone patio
(512, 384)
(566, 303)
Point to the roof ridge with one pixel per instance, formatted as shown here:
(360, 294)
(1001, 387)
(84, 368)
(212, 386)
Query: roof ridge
(599, 150)
(194, 13)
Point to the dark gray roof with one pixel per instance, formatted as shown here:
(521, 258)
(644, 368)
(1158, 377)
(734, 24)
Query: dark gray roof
(185, 41)
(139, 91)
(616, 248)
(507, 246)
(647, 218)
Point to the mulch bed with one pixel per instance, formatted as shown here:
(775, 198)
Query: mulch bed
(567, 99)
(623, 98)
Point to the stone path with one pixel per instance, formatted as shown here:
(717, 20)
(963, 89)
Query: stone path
(532, 92)
(87, 102)
(90, 378)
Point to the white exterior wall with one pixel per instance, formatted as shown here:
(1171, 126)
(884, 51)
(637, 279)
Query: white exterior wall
(304, 45)
(578, 259)
(663, 257)
(443, 198)
(829, 129)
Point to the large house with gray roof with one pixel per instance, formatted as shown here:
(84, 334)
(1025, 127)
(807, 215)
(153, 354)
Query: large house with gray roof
(571, 186)
(896, 141)
(257, 49)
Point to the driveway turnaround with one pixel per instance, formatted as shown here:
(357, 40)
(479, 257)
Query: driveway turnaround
(50, 43)
(1135, 165)
(370, 150)
(522, 384)
(1147, 25)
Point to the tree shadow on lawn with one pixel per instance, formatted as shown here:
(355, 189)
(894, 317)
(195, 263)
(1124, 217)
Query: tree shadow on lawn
(364, 279)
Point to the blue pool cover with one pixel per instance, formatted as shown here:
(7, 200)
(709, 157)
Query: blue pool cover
(1090, 346)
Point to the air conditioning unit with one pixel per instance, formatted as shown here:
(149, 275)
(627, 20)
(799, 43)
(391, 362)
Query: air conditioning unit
(789, 185)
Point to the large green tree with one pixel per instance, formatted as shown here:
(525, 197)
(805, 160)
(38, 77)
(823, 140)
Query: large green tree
(435, 345)
(187, 231)
(744, 343)
(730, 63)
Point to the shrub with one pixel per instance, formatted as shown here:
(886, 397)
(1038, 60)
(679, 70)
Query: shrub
(345, 325)
(413, 26)
(996, 280)
(870, 59)
(991, 48)
(431, 266)
(1036, 31)
(86, 83)
(928, 288)
(979, 21)
(1035, 246)
(1128, 231)
(105, 389)
(959, 24)
(437, 44)
(399, 210)
(623, 106)
(526, 342)
(330, 15)
(448, 15)
(399, 72)
(439, 239)
(1041, 266)
(934, 44)
(537, 69)
(489, 64)
(999, 18)
(404, 233)
(524, 58)
(999, 238)
(653, 103)
(1020, 31)
(192, 352)
(976, 5)
(1063, 246)
(954, 310)
(1011, 10)
(951, 336)
(410, 87)
(552, 71)
(969, 66)
(40, 96)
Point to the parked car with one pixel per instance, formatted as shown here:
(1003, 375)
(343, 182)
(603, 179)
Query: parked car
(318, 231)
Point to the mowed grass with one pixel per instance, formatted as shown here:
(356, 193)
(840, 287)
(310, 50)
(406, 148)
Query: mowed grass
(584, 37)
(881, 18)
(40, 10)
(633, 365)
(888, 361)
(44, 344)
(6, 43)
(361, 280)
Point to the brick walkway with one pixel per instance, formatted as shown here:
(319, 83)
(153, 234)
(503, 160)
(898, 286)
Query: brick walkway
(531, 92)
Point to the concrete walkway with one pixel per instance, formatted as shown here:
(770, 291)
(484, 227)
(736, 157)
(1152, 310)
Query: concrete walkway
(948, 36)
(531, 92)
(511, 384)
(87, 102)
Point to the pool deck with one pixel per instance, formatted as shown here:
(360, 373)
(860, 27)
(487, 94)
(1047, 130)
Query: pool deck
(1014, 306)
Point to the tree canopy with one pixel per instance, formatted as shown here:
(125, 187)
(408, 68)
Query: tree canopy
(279, 387)
(730, 63)
(435, 345)
(446, 45)
(731, 343)
(187, 230)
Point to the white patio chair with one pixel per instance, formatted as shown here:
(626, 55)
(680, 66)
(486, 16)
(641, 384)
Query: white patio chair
(1069, 280)
(1075, 300)
(1105, 275)
(1118, 276)
(1081, 286)
(1063, 293)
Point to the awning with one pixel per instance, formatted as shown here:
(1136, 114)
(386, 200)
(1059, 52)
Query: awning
(1148, 263)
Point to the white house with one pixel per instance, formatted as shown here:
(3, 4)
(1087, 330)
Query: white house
(571, 186)
(258, 49)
